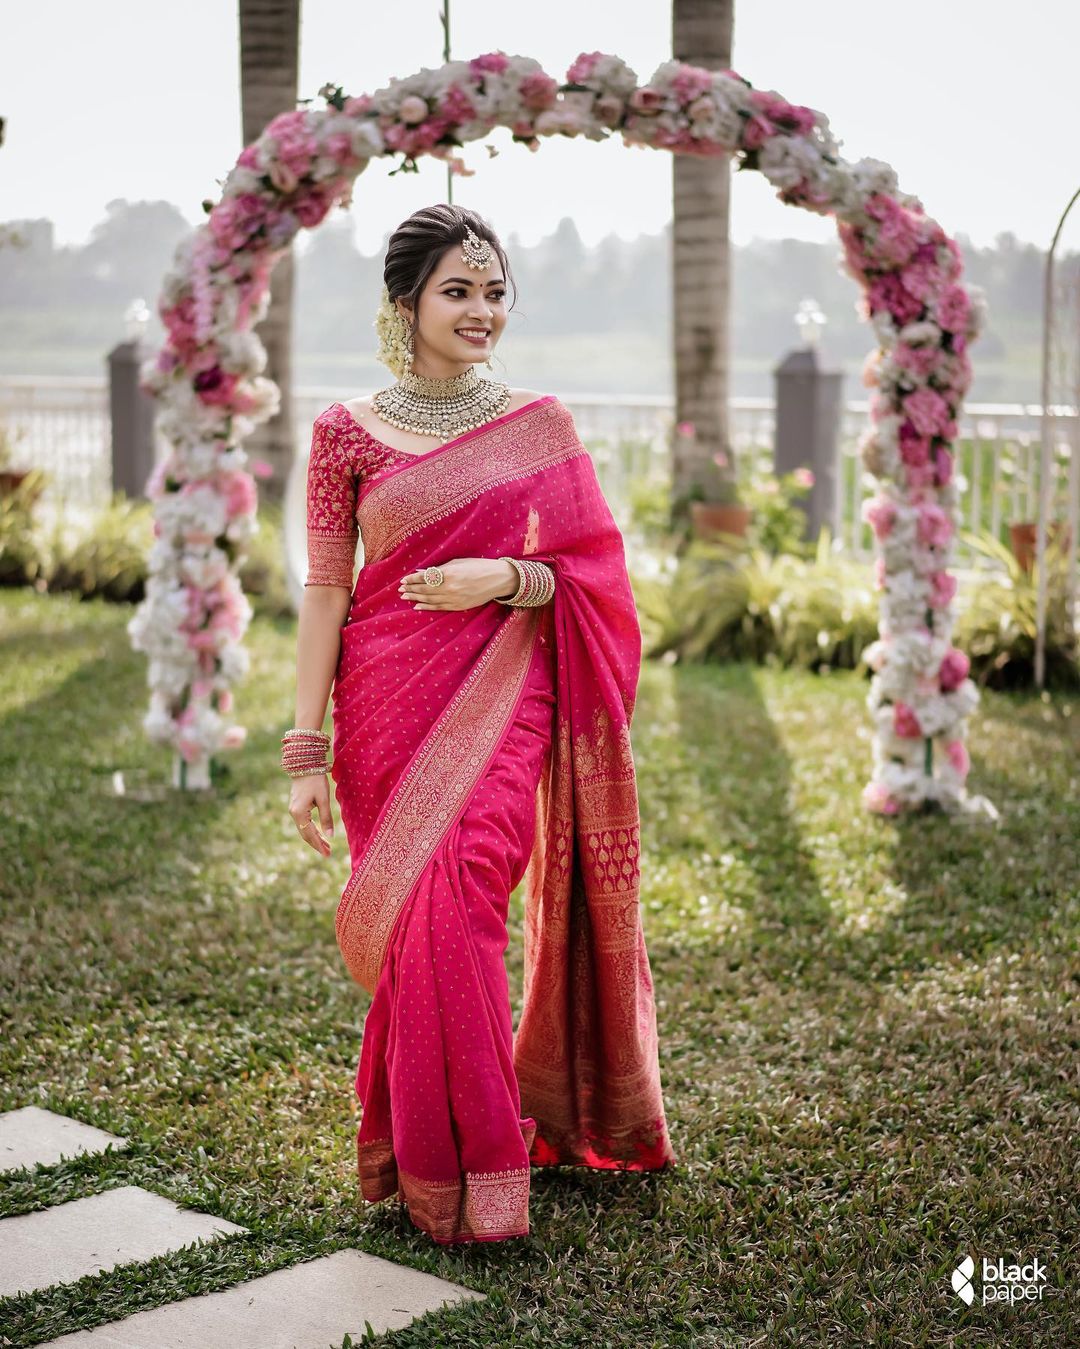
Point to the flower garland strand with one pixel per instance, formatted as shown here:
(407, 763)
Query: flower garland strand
(212, 394)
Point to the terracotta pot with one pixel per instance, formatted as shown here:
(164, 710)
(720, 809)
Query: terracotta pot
(10, 478)
(709, 519)
(1022, 537)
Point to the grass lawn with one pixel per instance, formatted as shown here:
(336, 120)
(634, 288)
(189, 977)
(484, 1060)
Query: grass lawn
(868, 1028)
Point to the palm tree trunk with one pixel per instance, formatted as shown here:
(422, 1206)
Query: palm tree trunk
(269, 84)
(701, 36)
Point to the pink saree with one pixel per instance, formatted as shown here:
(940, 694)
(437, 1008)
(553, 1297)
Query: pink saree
(474, 749)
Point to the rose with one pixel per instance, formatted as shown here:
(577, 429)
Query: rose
(953, 670)
(905, 722)
(413, 109)
(957, 755)
(647, 100)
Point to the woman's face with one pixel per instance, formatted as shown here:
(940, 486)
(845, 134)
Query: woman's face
(457, 297)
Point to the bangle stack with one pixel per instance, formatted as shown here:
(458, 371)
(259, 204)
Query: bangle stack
(536, 583)
(303, 752)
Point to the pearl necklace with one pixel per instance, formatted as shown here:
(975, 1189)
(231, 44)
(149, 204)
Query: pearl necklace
(441, 407)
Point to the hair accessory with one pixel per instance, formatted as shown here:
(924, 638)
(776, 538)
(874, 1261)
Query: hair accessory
(476, 252)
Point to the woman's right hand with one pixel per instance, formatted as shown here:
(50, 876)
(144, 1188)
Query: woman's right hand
(307, 794)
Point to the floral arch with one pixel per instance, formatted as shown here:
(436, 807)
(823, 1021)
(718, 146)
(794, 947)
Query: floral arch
(212, 394)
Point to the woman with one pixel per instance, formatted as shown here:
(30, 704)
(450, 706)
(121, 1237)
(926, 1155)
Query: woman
(484, 675)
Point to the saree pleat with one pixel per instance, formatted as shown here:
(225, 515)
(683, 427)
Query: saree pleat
(475, 749)
(442, 1123)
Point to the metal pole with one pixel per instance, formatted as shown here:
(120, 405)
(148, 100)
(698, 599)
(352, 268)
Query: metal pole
(446, 57)
(1046, 456)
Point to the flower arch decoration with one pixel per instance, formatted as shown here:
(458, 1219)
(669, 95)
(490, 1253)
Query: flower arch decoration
(207, 376)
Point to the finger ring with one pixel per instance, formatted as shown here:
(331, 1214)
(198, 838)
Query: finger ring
(433, 576)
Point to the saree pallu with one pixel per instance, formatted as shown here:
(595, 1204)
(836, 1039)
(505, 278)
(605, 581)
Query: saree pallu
(474, 749)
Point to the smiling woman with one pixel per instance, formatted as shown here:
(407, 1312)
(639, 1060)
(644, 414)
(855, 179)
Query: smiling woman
(475, 741)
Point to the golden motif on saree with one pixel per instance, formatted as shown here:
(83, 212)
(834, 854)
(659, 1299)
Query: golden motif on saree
(403, 503)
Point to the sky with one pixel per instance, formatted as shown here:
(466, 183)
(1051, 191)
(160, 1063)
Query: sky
(973, 102)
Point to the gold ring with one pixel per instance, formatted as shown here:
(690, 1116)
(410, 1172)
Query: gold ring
(433, 576)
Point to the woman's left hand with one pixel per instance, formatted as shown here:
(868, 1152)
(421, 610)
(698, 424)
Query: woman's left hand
(467, 583)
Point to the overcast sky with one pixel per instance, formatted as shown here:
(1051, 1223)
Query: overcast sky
(972, 101)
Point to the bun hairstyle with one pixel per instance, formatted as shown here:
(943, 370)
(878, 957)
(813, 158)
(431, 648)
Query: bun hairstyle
(417, 244)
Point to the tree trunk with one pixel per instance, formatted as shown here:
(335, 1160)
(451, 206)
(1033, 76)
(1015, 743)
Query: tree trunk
(269, 84)
(701, 36)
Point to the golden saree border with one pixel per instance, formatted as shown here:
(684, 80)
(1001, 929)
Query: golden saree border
(438, 782)
(476, 1206)
(401, 503)
(592, 1083)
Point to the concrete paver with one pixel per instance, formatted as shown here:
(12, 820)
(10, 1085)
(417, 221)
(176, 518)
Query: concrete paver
(31, 1136)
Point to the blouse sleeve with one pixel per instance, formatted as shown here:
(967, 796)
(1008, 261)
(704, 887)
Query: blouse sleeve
(332, 531)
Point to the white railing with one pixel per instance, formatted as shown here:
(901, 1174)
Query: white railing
(61, 424)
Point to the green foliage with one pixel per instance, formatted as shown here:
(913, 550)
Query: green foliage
(996, 623)
(728, 601)
(778, 523)
(21, 561)
(106, 557)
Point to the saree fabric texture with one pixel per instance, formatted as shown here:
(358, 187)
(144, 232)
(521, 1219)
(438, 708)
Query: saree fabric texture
(473, 750)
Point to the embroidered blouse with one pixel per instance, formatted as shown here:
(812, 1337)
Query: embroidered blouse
(343, 454)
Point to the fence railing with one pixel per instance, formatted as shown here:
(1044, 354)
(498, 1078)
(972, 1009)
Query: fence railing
(61, 424)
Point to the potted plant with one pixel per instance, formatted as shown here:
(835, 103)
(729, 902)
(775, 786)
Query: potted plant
(11, 479)
(717, 513)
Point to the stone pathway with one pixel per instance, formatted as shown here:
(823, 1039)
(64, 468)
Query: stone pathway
(62, 1243)
(35, 1137)
(308, 1306)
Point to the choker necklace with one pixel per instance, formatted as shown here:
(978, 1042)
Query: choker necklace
(441, 407)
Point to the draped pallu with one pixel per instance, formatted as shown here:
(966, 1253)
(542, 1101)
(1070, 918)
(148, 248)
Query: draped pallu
(474, 749)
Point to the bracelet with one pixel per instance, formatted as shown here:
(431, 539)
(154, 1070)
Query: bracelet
(536, 583)
(303, 752)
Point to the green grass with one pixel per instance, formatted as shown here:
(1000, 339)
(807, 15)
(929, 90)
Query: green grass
(868, 1028)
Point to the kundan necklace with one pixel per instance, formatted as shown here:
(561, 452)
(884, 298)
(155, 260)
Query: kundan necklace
(441, 407)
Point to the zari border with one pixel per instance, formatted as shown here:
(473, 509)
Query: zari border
(414, 497)
(436, 785)
(476, 1206)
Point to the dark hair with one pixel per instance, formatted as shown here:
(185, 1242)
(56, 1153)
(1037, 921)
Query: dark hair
(417, 244)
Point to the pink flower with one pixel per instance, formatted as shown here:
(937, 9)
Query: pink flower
(583, 67)
(895, 238)
(956, 753)
(239, 492)
(877, 797)
(914, 449)
(803, 477)
(953, 670)
(928, 411)
(358, 104)
(311, 208)
(880, 514)
(538, 91)
(495, 62)
(886, 292)
(935, 527)
(920, 279)
(685, 428)
(943, 466)
(942, 589)
(919, 360)
(953, 309)
(262, 468)
(691, 82)
(905, 722)
(879, 573)
(215, 387)
(756, 131)
(457, 105)
(790, 116)
(225, 700)
(234, 737)
(720, 459)
(646, 100)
